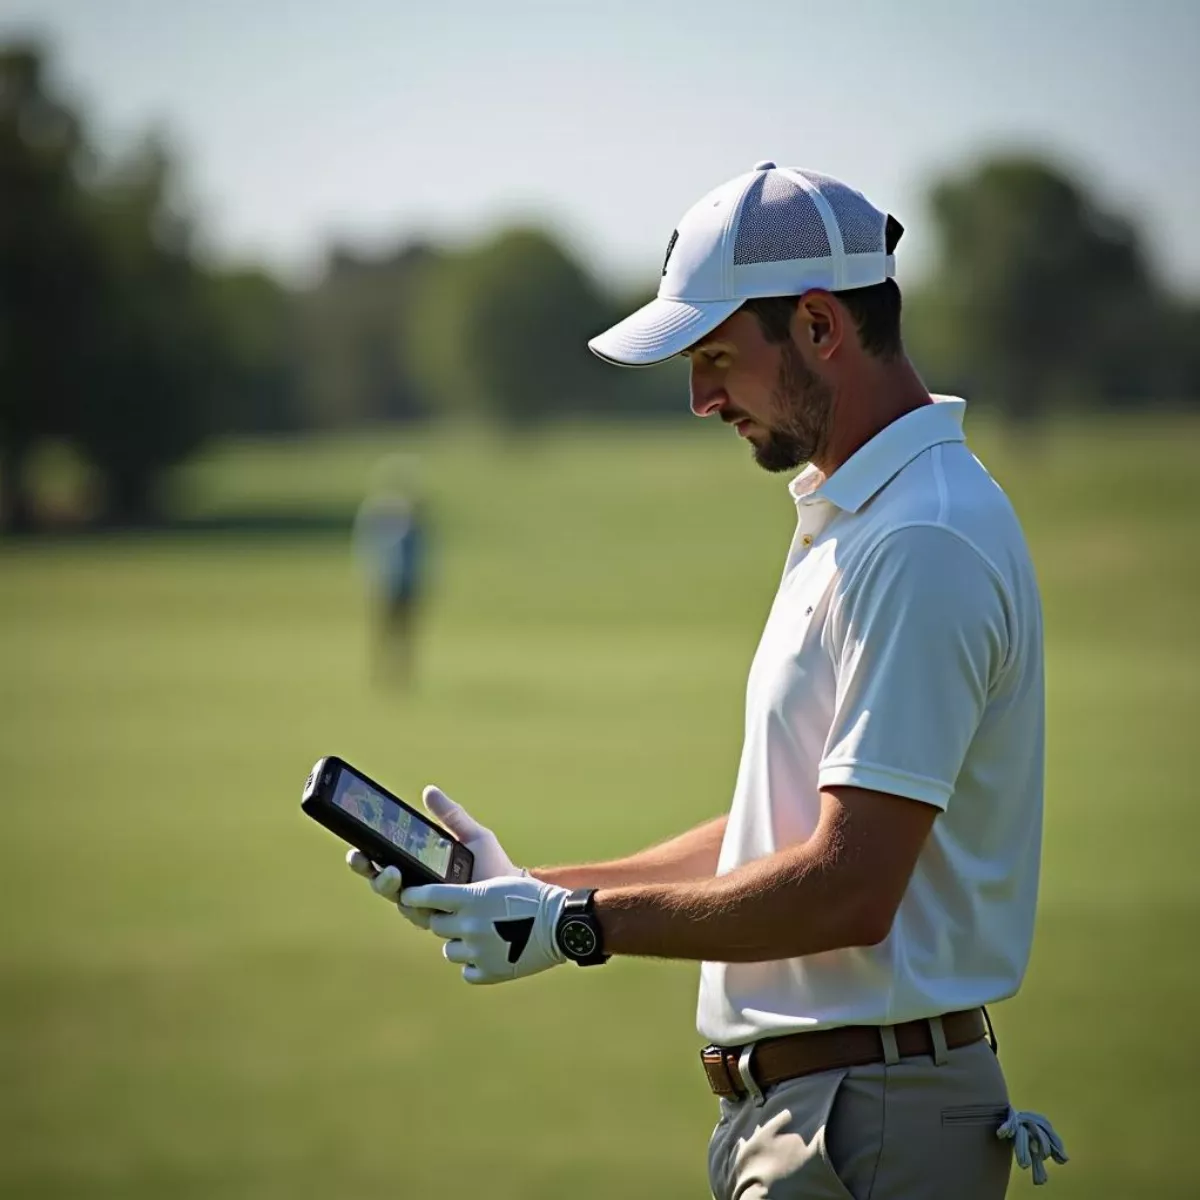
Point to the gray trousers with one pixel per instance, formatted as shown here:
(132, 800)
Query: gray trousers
(914, 1130)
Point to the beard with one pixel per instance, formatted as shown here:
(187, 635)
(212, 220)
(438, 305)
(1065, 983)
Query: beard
(802, 404)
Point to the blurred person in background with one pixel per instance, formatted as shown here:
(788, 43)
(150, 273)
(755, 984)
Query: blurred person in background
(874, 884)
(391, 544)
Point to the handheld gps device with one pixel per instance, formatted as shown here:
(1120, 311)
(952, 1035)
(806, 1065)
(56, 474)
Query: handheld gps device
(382, 826)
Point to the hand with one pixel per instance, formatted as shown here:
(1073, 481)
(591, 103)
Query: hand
(500, 929)
(490, 858)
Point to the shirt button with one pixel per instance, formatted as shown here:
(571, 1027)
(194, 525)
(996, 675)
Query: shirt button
(806, 540)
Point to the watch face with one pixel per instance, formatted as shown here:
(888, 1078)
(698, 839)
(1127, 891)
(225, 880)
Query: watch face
(578, 939)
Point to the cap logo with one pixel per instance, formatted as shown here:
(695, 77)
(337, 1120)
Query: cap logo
(670, 247)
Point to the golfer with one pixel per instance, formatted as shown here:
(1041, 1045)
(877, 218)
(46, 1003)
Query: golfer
(390, 538)
(873, 885)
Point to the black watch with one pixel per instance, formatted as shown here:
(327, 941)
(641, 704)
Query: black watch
(578, 932)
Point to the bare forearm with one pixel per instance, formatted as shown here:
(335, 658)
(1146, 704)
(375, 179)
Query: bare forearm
(786, 906)
(840, 888)
(691, 855)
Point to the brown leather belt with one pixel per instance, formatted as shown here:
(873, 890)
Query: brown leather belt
(773, 1060)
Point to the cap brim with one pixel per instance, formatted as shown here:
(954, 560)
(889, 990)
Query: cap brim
(660, 330)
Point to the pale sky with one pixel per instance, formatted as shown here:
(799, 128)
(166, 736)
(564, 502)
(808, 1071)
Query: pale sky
(376, 119)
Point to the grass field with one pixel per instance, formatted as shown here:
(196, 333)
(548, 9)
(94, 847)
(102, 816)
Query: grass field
(198, 1000)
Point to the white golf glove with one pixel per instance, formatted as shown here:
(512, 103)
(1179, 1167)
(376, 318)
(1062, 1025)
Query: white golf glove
(490, 858)
(498, 930)
(1034, 1141)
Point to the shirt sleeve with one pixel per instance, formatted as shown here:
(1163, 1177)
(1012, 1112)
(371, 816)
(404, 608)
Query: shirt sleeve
(919, 636)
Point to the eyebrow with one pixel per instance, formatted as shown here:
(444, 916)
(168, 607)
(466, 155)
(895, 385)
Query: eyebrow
(710, 347)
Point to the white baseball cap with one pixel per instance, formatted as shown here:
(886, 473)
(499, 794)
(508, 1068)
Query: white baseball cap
(775, 231)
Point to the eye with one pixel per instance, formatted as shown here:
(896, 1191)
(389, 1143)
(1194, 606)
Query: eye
(719, 359)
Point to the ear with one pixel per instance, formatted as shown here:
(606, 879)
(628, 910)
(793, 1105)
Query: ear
(819, 325)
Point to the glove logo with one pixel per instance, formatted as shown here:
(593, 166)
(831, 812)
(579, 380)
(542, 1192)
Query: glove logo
(516, 934)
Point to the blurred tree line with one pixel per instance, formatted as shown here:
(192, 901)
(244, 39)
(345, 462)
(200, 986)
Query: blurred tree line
(121, 340)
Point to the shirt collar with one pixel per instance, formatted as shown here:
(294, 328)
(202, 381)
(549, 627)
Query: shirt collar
(871, 466)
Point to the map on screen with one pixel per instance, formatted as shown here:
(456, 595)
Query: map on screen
(393, 823)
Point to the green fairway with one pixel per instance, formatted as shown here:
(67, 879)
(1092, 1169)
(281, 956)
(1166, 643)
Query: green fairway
(197, 999)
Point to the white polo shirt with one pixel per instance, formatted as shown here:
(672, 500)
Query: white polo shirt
(903, 653)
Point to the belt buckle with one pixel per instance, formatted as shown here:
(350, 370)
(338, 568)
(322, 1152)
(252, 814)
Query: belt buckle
(745, 1074)
(715, 1056)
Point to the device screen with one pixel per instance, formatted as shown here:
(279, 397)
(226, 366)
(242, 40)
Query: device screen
(394, 824)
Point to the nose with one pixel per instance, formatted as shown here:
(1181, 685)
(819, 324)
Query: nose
(707, 396)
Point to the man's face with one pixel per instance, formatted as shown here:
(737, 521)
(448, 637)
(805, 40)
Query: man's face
(764, 389)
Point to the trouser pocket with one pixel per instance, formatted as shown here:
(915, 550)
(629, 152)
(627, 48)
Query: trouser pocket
(974, 1114)
(972, 1156)
(775, 1151)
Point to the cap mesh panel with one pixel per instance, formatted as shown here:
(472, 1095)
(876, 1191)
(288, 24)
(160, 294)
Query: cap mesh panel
(861, 225)
(778, 222)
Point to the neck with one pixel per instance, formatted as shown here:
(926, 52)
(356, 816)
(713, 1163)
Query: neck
(878, 394)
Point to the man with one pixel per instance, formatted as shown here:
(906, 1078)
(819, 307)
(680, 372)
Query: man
(389, 539)
(874, 883)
